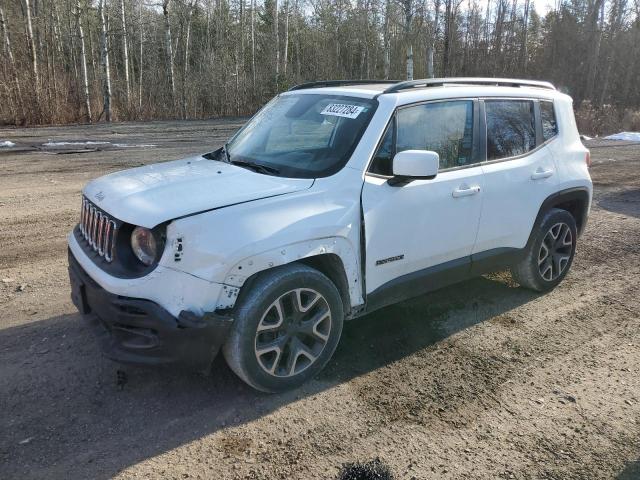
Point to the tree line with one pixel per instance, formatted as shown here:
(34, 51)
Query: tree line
(102, 60)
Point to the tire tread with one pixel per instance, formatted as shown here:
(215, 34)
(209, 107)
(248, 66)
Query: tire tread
(526, 271)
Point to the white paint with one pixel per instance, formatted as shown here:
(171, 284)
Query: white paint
(231, 244)
(152, 194)
(172, 289)
(507, 223)
(416, 163)
(421, 220)
(282, 255)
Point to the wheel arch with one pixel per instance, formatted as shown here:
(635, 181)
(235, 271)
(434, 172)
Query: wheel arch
(333, 257)
(573, 200)
(330, 264)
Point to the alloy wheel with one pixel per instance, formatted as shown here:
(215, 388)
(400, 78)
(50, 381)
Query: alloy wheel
(293, 332)
(555, 251)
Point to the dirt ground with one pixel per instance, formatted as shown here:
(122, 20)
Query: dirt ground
(482, 380)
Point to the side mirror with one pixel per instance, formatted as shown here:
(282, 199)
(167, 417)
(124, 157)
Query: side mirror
(414, 165)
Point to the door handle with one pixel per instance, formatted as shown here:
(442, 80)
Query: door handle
(465, 191)
(540, 174)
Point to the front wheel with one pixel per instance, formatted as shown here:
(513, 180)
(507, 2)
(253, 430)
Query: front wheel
(286, 328)
(550, 252)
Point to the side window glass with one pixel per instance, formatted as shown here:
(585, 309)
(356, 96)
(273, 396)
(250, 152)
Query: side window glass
(443, 127)
(549, 125)
(510, 128)
(381, 164)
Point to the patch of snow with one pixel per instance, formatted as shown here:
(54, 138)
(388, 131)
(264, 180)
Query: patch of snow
(59, 144)
(90, 142)
(585, 137)
(128, 145)
(627, 136)
(7, 143)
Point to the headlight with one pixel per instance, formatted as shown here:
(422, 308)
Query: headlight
(144, 245)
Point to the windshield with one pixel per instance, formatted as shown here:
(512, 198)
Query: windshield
(302, 135)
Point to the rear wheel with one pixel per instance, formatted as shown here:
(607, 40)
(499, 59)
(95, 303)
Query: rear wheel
(550, 252)
(286, 328)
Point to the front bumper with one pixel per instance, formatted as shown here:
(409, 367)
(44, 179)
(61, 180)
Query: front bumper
(137, 331)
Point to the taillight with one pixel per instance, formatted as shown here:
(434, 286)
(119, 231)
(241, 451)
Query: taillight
(587, 159)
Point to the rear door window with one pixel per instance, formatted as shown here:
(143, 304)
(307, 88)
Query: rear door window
(548, 116)
(511, 129)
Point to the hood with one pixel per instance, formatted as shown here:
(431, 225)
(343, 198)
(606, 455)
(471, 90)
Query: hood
(153, 194)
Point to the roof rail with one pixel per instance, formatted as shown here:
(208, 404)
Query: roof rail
(340, 83)
(440, 82)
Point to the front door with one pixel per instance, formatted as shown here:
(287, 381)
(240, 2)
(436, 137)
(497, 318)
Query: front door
(425, 226)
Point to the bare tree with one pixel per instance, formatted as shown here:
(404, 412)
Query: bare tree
(525, 36)
(433, 34)
(188, 59)
(595, 25)
(83, 60)
(407, 9)
(104, 62)
(12, 61)
(32, 50)
(125, 52)
(286, 38)
(141, 61)
(386, 40)
(169, 49)
(450, 13)
(253, 42)
(276, 38)
(618, 8)
(298, 48)
(185, 69)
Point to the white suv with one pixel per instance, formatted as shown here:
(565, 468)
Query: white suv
(334, 200)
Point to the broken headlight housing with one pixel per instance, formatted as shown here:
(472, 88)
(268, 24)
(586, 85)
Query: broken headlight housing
(144, 245)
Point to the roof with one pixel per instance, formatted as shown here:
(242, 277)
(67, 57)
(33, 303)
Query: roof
(366, 84)
(372, 88)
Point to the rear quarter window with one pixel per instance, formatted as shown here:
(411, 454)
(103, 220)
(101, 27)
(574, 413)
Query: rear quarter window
(548, 117)
(511, 129)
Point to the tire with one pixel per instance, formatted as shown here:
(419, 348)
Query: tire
(550, 252)
(286, 327)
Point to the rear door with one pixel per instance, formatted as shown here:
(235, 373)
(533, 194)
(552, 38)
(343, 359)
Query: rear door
(519, 172)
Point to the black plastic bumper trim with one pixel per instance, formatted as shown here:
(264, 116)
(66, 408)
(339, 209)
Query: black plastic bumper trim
(138, 331)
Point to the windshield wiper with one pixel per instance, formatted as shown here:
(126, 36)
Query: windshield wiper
(225, 150)
(256, 167)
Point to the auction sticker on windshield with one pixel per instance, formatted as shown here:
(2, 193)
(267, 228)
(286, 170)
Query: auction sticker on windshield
(342, 110)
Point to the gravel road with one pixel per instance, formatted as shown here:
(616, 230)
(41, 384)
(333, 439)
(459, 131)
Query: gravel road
(483, 380)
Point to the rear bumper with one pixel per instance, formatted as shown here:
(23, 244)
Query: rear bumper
(137, 331)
